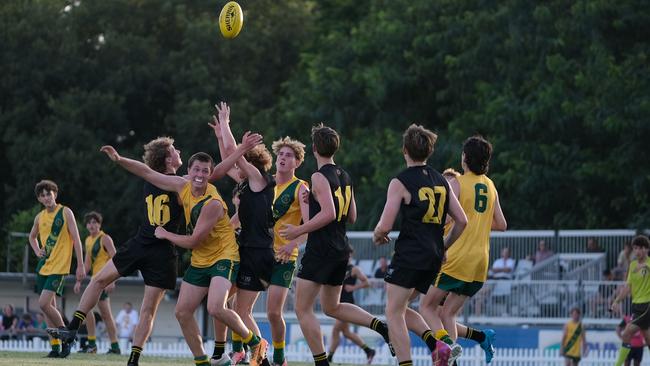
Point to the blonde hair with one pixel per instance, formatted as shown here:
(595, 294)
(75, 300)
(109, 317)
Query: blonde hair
(260, 157)
(295, 145)
(451, 173)
(155, 153)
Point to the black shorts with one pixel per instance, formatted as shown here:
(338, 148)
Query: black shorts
(636, 354)
(641, 315)
(156, 262)
(324, 272)
(255, 268)
(410, 278)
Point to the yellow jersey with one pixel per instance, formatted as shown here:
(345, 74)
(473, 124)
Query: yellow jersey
(98, 254)
(55, 239)
(220, 242)
(572, 345)
(638, 279)
(468, 258)
(291, 215)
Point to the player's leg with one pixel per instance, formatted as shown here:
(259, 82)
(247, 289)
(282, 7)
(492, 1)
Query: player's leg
(189, 299)
(276, 297)
(47, 303)
(335, 339)
(430, 307)
(306, 294)
(356, 339)
(219, 356)
(90, 297)
(244, 308)
(396, 304)
(92, 334)
(107, 315)
(626, 336)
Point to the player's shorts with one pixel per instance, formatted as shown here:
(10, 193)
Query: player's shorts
(322, 271)
(54, 283)
(636, 355)
(103, 296)
(409, 278)
(641, 315)
(255, 268)
(574, 360)
(201, 277)
(156, 262)
(283, 274)
(448, 283)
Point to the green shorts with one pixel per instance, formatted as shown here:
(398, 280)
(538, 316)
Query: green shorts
(54, 283)
(283, 274)
(201, 277)
(448, 283)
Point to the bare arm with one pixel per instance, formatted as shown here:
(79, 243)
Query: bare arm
(498, 220)
(167, 182)
(76, 242)
(352, 210)
(284, 253)
(227, 138)
(363, 280)
(109, 246)
(33, 239)
(458, 215)
(327, 214)
(394, 197)
(208, 217)
(249, 141)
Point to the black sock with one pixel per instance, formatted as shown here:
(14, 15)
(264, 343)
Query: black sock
(135, 355)
(475, 335)
(406, 363)
(321, 360)
(379, 327)
(219, 349)
(331, 356)
(245, 347)
(77, 319)
(429, 339)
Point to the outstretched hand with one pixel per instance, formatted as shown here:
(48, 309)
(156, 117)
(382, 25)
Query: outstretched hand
(223, 112)
(250, 140)
(111, 152)
(216, 127)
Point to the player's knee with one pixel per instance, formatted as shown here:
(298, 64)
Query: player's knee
(330, 310)
(182, 314)
(218, 312)
(274, 315)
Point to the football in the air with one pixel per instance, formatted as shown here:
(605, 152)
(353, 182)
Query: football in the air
(231, 20)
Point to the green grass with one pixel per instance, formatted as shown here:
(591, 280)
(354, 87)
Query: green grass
(36, 359)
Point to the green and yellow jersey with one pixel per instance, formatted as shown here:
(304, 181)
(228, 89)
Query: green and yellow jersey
(55, 238)
(220, 242)
(98, 254)
(638, 279)
(572, 345)
(286, 210)
(468, 258)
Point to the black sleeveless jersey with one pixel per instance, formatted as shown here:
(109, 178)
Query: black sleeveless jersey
(348, 297)
(420, 243)
(160, 208)
(256, 215)
(330, 241)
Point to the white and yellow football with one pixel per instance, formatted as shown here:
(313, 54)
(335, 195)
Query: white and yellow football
(231, 20)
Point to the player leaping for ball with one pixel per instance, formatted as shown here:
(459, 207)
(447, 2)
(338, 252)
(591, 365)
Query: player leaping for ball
(322, 269)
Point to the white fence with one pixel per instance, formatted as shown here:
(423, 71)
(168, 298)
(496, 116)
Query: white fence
(354, 355)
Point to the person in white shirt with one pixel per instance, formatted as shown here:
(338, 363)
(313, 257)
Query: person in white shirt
(126, 321)
(504, 267)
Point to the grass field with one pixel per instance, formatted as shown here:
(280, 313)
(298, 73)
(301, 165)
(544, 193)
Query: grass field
(36, 359)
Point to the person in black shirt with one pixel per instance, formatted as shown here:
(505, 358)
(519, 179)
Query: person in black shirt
(323, 266)
(423, 196)
(350, 284)
(154, 258)
(256, 219)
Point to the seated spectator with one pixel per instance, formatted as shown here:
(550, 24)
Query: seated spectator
(600, 302)
(625, 257)
(504, 267)
(593, 246)
(543, 252)
(383, 267)
(9, 325)
(26, 326)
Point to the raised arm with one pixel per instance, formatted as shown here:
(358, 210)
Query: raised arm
(327, 214)
(33, 239)
(249, 141)
(167, 182)
(210, 214)
(76, 241)
(227, 138)
(394, 197)
(216, 127)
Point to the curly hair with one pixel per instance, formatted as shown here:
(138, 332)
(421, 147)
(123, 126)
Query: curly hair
(260, 157)
(641, 241)
(155, 153)
(45, 185)
(93, 215)
(451, 173)
(295, 145)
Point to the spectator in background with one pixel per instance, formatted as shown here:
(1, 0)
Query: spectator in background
(543, 252)
(382, 268)
(126, 321)
(9, 323)
(593, 246)
(601, 300)
(637, 342)
(504, 267)
(40, 321)
(625, 257)
(26, 326)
